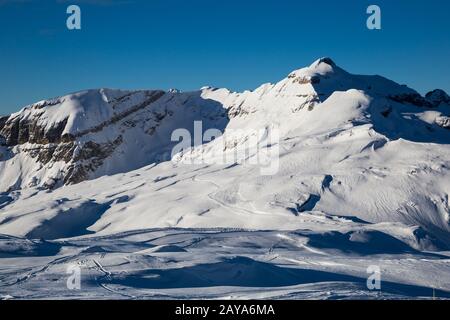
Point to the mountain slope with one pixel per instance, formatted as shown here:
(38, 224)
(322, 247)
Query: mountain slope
(351, 148)
(92, 133)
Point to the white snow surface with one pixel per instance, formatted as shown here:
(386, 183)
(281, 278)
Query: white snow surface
(363, 180)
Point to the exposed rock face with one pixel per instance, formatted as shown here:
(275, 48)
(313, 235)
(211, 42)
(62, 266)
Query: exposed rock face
(149, 99)
(84, 135)
(412, 98)
(240, 110)
(305, 79)
(2, 125)
(2, 122)
(310, 102)
(51, 152)
(443, 122)
(34, 134)
(19, 131)
(89, 157)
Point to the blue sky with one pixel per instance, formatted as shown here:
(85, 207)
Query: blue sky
(187, 44)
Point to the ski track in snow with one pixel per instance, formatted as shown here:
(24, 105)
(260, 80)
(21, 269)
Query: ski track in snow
(226, 263)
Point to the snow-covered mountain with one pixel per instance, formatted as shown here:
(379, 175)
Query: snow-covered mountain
(360, 159)
(93, 133)
(364, 145)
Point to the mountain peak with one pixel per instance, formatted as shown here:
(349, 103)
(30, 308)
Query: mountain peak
(319, 67)
(325, 60)
(438, 96)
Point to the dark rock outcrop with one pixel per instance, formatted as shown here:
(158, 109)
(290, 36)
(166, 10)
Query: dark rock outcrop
(19, 131)
(3, 121)
(152, 97)
(88, 158)
(412, 98)
(2, 125)
(443, 122)
(51, 152)
(437, 97)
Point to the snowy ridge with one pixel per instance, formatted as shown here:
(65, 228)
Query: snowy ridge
(364, 167)
(355, 129)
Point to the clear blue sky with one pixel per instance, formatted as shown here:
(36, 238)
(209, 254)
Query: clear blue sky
(187, 44)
